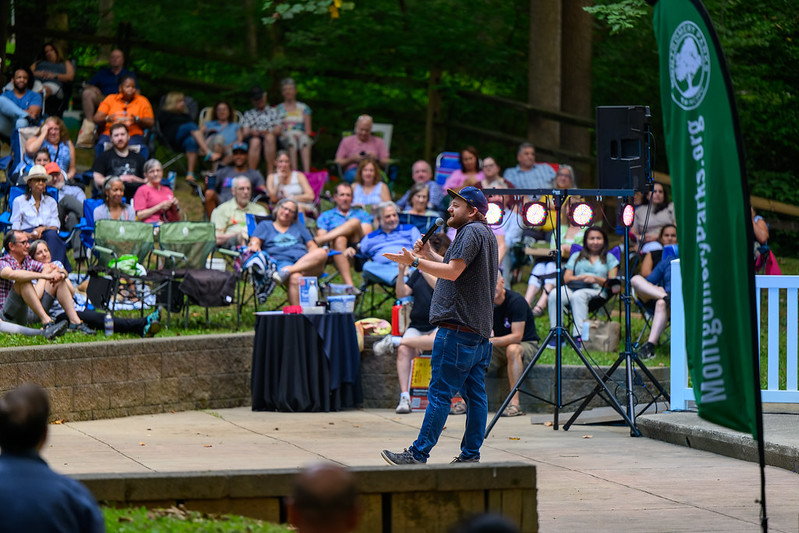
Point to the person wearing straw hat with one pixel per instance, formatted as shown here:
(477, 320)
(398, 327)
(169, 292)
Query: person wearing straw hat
(36, 213)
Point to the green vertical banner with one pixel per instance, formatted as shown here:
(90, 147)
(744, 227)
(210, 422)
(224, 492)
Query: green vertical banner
(714, 226)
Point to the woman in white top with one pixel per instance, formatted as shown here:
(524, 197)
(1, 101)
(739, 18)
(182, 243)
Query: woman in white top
(369, 189)
(36, 213)
(287, 183)
(661, 214)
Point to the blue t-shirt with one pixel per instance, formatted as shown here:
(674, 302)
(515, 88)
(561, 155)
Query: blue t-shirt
(661, 274)
(283, 247)
(108, 82)
(28, 99)
(333, 218)
(379, 242)
(228, 132)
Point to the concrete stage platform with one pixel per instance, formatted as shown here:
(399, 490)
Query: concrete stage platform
(591, 478)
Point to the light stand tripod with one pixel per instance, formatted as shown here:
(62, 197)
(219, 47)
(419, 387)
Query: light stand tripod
(629, 357)
(558, 332)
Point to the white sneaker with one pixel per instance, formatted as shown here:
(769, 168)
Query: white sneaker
(384, 346)
(404, 406)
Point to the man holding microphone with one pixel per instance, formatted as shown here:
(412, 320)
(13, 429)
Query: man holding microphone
(462, 308)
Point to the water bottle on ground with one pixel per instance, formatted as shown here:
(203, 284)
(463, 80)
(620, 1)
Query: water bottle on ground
(108, 324)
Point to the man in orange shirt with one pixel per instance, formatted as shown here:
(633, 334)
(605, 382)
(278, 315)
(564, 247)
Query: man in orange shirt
(126, 107)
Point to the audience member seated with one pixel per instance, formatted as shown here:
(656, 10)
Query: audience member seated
(469, 174)
(19, 105)
(36, 498)
(419, 195)
(660, 214)
(182, 132)
(289, 244)
(218, 189)
(41, 157)
(514, 338)
(261, 128)
(343, 227)
(354, 148)
(53, 70)
(369, 189)
(295, 120)
(221, 133)
(324, 499)
(761, 234)
(53, 136)
(420, 334)
(528, 174)
(390, 237)
(584, 275)
(22, 301)
(70, 204)
(105, 82)
(656, 286)
(155, 203)
(125, 107)
(144, 326)
(36, 214)
(667, 236)
(113, 208)
(543, 272)
(230, 218)
(287, 183)
(491, 175)
(421, 172)
(119, 161)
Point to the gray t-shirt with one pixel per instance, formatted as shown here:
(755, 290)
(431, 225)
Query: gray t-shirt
(469, 300)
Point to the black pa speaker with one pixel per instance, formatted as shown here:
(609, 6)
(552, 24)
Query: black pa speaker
(622, 146)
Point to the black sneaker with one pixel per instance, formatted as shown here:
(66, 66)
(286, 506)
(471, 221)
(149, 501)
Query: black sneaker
(460, 459)
(53, 329)
(405, 457)
(82, 328)
(646, 352)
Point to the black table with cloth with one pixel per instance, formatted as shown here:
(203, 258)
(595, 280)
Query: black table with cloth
(305, 363)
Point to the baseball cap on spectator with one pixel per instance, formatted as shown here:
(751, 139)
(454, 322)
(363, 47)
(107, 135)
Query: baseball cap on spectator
(52, 168)
(256, 93)
(239, 146)
(472, 196)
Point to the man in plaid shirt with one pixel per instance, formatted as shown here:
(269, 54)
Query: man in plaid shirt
(19, 296)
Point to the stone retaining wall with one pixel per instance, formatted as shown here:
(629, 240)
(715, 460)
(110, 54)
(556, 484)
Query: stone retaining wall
(94, 380)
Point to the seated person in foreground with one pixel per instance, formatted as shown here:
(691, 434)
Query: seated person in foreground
(223, 179)
(352, 149)
(656, 286)
(113, 208)
(287, 183)
(230, 218)
(221, 132)
(155, 202)
(369, 189)
(585, 274)
(390, 237)
(420, 334)
(291, 246)
(22, 301)
(514, 339)
(126, 107)
(343, 227)
(53, 136)
(119, 161)
(70, 204)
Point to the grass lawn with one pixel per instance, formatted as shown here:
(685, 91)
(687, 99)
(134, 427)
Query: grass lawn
(179, 520)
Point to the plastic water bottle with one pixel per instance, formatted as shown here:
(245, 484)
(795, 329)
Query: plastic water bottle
(170, 179)
(108, 324)
(313, 293)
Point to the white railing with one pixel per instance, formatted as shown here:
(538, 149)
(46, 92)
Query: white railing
(681, 393)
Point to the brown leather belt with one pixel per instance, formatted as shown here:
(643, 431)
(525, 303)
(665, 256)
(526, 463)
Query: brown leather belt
(456, 327)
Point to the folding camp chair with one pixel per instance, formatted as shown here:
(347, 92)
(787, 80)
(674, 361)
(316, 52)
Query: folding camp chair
(446, 164)
(186, 248)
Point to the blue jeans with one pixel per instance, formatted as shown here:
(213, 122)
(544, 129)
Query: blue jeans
(185, 139)
(458, 364)
(11, 117)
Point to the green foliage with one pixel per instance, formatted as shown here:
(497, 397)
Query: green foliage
(619, 15)
(178, 520)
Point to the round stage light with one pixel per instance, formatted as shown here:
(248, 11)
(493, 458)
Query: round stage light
(628, 215)
(534, 213)
(581, 215)
(495, 214)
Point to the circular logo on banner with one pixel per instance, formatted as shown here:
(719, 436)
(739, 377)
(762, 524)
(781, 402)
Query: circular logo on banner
(689, 65)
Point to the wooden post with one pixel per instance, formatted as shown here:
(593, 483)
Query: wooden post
(544, 77)
(5, 14)
(433, 113)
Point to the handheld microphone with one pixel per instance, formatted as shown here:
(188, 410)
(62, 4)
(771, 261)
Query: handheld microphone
(432, 229)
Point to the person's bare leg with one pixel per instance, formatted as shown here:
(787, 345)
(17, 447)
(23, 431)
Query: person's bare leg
(191, 162)
(423, 343)
(211, 202)
(270, 150)
(293, 157)
(32, 299)
(342, 263)
(405, 355)
(305, 154)
(200, 140)
(254, 152)
(644, 288)
(659, 321)
(351, 229)
(514, 355)
(532, 290)
(501, 248)
(64, 297)
(90, 99)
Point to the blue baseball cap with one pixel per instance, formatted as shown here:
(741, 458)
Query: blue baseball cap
(239, 146)
(472, 196)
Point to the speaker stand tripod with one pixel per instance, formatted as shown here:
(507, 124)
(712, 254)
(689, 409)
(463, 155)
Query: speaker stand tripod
(558, 332)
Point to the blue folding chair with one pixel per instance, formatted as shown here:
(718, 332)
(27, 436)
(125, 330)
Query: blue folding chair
(446, 164)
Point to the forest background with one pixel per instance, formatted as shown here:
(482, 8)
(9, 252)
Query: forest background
(445, 73)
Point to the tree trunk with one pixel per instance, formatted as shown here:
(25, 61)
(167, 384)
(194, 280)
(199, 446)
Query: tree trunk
(433, 112)
(544, 77)
(105, 27)
(252, 21)
(576, 75)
